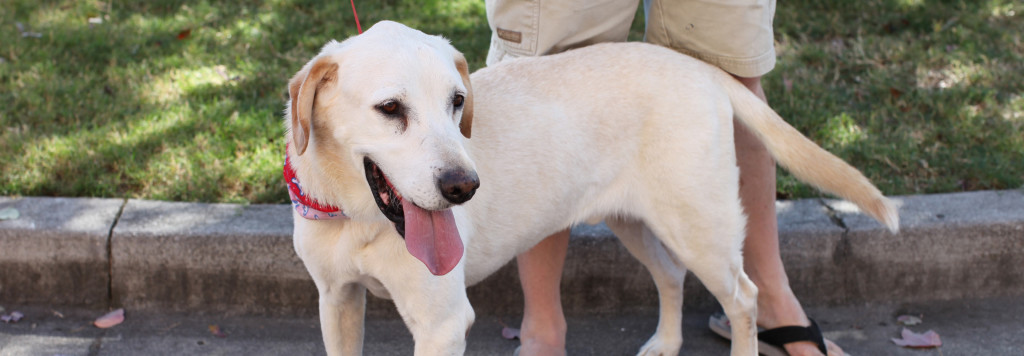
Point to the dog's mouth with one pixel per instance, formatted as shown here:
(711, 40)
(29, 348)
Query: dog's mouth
(432, 236)
(389, 201)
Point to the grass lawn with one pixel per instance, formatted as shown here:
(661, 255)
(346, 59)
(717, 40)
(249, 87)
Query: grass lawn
(182, 100)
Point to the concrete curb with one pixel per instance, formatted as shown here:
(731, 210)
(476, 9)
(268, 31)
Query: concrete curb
(56, 251)
(223, 258)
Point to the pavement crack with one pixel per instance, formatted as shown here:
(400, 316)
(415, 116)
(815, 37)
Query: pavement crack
(843, 252)
(97, 344)
(110, 254)
(834, 216)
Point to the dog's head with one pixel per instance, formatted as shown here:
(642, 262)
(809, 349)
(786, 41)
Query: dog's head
(396, 105)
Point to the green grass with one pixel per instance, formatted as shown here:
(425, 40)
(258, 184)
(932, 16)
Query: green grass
(182, 100)
(924, 96)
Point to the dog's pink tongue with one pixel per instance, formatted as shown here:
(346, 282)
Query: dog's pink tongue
(431, 236)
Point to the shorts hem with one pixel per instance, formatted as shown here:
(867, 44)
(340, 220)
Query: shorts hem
(751, 67)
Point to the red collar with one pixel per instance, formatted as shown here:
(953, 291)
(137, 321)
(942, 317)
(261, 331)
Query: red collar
(306, 206)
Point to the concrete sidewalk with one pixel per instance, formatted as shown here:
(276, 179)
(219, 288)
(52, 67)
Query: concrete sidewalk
(974, 327)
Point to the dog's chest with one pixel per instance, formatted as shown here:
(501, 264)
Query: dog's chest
(375, 287)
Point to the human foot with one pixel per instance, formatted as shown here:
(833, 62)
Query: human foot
(782, 341)
(807, 348)
(780, 309)
(534, 349)
(542, 336)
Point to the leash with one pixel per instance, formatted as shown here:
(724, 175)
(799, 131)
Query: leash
(356, 15)
(308, 207)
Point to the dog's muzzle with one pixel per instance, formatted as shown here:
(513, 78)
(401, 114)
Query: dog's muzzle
(457, 186)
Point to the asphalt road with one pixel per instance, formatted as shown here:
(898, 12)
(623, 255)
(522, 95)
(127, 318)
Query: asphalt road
(992, 326)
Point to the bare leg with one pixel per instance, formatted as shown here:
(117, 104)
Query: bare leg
(776, 304)
(540, 273)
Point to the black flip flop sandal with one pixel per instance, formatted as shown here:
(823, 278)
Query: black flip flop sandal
(770, 342)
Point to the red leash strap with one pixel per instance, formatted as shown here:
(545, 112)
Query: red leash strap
(356, 15)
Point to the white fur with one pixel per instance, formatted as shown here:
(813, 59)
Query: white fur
(632, 133)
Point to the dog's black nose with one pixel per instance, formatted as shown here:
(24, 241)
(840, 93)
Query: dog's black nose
(458, 185)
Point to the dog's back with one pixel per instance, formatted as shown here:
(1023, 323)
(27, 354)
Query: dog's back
(614, 129)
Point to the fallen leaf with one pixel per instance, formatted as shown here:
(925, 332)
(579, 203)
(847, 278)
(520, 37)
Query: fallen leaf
(509, 333)
(911, 339)
(184, 33)
(14, 317)
(215, 330)
(908, 320)
(9, 214)
(111, 319)
(896, 93)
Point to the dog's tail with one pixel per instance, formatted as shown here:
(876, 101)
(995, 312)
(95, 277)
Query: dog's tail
(805, 159)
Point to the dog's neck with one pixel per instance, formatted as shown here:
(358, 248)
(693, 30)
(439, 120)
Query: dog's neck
(307, 206)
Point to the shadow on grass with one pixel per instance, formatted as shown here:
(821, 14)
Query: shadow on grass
(173, 100)
(930, 90)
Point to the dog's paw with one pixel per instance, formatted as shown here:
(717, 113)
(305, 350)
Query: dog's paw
(661, 346)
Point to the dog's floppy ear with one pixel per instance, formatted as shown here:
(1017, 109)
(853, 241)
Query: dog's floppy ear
(302, 91)
(466, 125)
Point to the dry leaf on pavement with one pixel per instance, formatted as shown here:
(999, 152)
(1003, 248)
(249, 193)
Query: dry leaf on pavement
(216, 331)
(509, 333)
(911, 339)
(908, 320)
(14, 317)
(111, 319)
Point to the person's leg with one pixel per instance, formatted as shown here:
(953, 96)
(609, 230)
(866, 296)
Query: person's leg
(740, 40)
(540, 273)
(516, 32)
(776, 304)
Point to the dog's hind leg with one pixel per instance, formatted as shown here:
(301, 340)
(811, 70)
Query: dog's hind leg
(668, 276)
(342, 315)
(709, 243)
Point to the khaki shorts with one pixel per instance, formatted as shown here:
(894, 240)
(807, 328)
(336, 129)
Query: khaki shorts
(735, 35)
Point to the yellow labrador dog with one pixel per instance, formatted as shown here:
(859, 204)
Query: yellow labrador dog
(392, 195)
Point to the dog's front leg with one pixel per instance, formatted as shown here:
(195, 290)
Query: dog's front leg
(342, 315)
(436, 310)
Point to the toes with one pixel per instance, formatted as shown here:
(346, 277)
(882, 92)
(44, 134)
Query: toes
(833, 349)
(805, 348)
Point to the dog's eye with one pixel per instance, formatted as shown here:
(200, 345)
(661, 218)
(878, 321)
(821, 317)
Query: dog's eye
(389, 108)
(458, 101)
